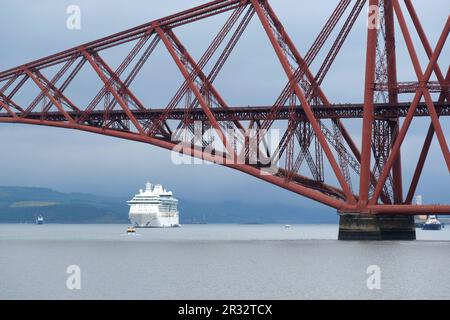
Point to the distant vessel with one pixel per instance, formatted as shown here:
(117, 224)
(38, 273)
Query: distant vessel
(421, 220)
(40, 220)
(432, 223)
(154, 208)
(131, 230)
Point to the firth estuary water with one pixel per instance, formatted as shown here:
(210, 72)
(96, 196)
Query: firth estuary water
(218, 262)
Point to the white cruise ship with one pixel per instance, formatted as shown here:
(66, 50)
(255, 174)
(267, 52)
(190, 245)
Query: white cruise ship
(154, 208)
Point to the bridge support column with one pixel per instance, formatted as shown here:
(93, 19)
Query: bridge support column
(376, 227)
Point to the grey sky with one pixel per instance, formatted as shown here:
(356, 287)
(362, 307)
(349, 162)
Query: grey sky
(77, 161)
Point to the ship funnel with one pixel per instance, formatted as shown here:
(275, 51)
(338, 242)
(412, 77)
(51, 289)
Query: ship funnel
(148, 186)
(419, 200)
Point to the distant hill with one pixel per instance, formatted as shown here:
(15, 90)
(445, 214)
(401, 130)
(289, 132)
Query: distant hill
(24, 204)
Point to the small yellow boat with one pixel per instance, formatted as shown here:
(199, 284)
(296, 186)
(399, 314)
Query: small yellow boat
(131, 230)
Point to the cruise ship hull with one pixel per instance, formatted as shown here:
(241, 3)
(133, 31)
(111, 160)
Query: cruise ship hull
(153, 221)
(432, 227)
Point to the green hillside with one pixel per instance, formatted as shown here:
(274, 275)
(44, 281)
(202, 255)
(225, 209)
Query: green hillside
(23, 204)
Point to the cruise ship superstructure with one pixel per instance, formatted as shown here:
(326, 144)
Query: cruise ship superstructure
(154, 207)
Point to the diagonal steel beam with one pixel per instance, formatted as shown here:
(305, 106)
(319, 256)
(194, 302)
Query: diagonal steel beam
(301, 96)
(19, 85)
(220, 37)
(10, 102)
(426, 93)
(116, 79)
(304, 63)
(198, 72)
(54, 80)
(120, 69)
(425, 149)
(195, 90)
(423, 38)
(57, 93)
(9, 83)
(47, 93)
(113, 91)
(65, 84)
(8, 109)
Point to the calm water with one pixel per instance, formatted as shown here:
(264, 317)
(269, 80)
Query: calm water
(217, 262)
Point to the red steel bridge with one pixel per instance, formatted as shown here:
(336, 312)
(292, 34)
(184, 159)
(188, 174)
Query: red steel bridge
(364, 179)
